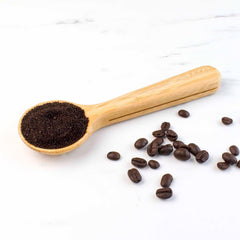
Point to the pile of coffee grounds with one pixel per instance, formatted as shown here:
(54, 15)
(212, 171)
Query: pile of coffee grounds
(54, 125)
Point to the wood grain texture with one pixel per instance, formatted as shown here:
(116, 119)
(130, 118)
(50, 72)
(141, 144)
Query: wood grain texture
(187, 86)
(182, 88)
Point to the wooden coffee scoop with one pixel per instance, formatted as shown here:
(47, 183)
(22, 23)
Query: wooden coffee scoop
(182, 88)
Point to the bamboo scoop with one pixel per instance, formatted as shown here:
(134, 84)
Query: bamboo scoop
(182, 88)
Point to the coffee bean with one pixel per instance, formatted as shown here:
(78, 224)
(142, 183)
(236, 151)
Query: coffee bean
(152, 148)
(113, 155)
(171, 135)
(229, 158)
(134, 175)
(164, 193)
(182, 154)
(139, 162)
(153, 164)
(234, 150)
(165, 126)
(193, 148)
(141, 143)
(238, 164)
(165, 149)
(158, 133)
(223, 165)
(183, 113)
(227, 121)
(202, 156)
(157, 141)
(179, 144)
(166, 180)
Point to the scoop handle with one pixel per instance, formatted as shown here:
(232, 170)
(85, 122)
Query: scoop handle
(196, 83)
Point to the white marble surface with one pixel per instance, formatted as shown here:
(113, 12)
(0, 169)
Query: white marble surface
(91, 51)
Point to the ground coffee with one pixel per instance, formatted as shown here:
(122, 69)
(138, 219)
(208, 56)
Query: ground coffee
(54, 125)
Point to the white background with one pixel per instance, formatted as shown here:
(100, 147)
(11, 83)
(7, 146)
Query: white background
(91, 51)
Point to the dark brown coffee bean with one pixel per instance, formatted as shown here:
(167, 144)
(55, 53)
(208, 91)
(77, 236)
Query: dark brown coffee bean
(134, 175)
(164, 193)
(229, 158)
(165, 149)
(179, 144)
(159, 134)
(238, 164)
(153, 164)
(141, 143)
(113, 156)
(223, 165)
(227, 121)
(193, 148)
(166, 180)
(165, 126)
(158, 141)
(152, 148)
(183, 113)
(139, 162)
(234, 150)
(182, 154)
(171, 135)
(202, 156)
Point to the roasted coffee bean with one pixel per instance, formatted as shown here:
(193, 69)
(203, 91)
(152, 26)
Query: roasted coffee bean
(238, 164)
(171, 135)
(234, 150)
(141, 143)
(183, 113)
(134, 175)
(223, 165)
(152, 148)
(229, 158)
(165, 149)
(202, 156)
(153, 164)
(113, 156)
(139, 162)
(227, 121)
(159, 134)
(193, 148)
(166, 180)
(157, 141)
(182, 154)
(164, 193)
(180, 144)
(165, 126)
